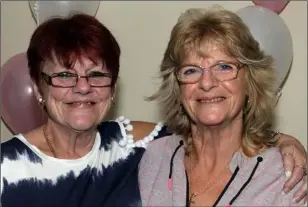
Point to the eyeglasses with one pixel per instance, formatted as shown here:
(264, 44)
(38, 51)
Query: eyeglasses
(68, 80)
(222, 71)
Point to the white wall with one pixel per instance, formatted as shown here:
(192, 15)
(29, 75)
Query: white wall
(142, 29)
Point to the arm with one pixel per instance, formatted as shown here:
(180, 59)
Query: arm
(295, 162)
(141, 129)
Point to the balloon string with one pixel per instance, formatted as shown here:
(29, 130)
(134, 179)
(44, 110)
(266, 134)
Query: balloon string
(278, 94)
(36, 8)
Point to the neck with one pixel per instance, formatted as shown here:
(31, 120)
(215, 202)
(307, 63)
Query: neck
(70, 144)
(213, 146)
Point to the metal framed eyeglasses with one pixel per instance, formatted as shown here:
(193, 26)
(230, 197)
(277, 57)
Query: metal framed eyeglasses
(222, 71)
(68, 80)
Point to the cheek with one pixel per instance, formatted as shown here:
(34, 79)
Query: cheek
(56, 94)
(240, 89)
(236, 86)
(186, 94)
(104, 94)
(236, 89)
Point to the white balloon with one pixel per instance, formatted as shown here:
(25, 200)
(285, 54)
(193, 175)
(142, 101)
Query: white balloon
(43, 10)
(274, 37)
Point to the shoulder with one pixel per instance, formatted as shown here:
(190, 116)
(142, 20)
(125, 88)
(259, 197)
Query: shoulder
(153, 155)
(269, 161)
(9, 148)
(164, 145)
(15, 155)
(273, 171)
(268, 178)
(158, 145)
(16, 148)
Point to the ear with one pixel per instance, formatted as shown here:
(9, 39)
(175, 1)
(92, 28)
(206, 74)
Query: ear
(36, 91)
(113, 90)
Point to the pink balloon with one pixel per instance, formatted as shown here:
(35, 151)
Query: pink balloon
(275, 6)
(19, 107)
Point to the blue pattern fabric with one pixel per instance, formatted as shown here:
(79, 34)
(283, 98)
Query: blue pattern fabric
(106, 176)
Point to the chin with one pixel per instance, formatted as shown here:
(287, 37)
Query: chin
(82, 128)
(211, 120)
(82, 124)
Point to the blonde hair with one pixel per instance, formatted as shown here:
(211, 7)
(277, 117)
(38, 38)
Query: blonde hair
(198, 27)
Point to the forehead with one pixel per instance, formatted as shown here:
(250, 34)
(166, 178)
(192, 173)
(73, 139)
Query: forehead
(82, 64)
(209, 53)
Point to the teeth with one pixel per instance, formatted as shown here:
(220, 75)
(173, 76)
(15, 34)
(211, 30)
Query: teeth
(211, 100)
(80, 103)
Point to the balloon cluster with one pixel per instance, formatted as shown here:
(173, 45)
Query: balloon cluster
(19, 107)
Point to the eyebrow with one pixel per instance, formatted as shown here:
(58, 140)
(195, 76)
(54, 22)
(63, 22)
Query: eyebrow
(92, 66)
(214, 63)
(225, 61)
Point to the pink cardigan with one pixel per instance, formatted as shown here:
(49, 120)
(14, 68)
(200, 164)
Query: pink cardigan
(263, 189)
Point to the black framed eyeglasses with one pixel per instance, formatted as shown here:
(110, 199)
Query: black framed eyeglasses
(222, 71)
(68, 80)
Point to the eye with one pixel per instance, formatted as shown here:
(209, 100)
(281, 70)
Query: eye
(97, 74)
(65, 75)
(190, 70)
(225, 67)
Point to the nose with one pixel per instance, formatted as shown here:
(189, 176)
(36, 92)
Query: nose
(82, 86)
(207, 81)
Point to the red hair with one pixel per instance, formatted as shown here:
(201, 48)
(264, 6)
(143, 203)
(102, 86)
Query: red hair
(68, 40)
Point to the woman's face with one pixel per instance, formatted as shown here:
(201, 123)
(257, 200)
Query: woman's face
(211, 102)
(81, 107)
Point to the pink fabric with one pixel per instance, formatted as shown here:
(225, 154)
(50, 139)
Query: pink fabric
(265, 188)
(170, 184)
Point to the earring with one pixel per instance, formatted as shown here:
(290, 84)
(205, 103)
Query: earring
(112, 100)
(182, 111)
(41, 101)
(247, 99)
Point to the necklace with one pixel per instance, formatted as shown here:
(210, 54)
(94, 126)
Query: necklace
(209, 185)
(204, 191)
(48, 141)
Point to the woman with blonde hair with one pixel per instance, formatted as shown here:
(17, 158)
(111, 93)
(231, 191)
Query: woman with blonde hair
(217, 97)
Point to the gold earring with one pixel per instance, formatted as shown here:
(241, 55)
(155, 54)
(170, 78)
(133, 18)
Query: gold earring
(41, 101)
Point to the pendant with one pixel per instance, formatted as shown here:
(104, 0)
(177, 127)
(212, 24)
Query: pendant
(192, 196)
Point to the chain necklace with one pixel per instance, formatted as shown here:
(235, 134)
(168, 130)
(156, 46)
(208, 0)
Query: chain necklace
(209, 185)
(204, 191)
(48, 141)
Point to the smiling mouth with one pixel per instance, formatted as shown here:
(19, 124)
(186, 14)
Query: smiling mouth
(79, 104)
(212, 100)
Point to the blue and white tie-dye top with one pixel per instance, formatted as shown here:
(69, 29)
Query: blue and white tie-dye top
(106, 176)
